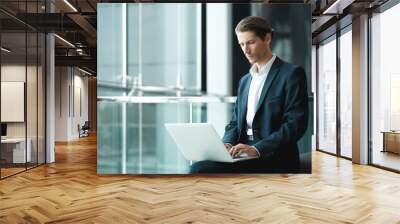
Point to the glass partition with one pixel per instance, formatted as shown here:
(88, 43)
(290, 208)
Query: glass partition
(155, 50)
(385, 89)
(346, 93)
(173, 34)
(327, 96)
(164, 53)
(141, 143)
(22, 90)
(15, 151)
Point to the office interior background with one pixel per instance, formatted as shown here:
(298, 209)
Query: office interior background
(38, 107)
(49, 90)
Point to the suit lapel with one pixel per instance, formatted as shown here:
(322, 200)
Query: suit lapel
(243, 104)
(270, 78)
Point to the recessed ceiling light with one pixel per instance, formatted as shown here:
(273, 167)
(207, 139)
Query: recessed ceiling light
(84, 71)
(65, 41)
(70, 5)
(5, 50)
(337, 7)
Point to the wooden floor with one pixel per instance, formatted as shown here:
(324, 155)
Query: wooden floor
(387, 159)
(70, 191)
(10, 171)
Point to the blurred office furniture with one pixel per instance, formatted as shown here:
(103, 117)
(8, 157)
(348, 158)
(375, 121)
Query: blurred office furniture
(84, 129)
(13, 150)
(391, 141)
(3, 130)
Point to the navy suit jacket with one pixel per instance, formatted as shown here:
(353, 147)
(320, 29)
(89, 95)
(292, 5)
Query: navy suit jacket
(281, 116)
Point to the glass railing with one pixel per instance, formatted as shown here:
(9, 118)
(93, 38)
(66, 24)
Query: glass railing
(132, 138)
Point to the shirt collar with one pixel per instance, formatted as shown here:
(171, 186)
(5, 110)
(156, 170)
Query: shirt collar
(264, 69)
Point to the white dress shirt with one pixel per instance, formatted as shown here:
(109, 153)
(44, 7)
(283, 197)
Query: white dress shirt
(258, 78)
(257, 83)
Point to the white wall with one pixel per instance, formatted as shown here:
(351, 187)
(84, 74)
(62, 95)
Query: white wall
(61, 103)
(13, 72)
(79, 117)
(219, 63)
(71, 102)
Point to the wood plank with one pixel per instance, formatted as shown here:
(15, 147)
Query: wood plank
(70, 191)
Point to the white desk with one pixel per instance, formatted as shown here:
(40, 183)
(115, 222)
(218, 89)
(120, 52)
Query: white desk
(18, 150)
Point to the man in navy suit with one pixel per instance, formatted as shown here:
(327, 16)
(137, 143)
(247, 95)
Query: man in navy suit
(271, 110)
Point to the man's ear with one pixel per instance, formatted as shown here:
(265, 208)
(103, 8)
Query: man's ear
(268, 38)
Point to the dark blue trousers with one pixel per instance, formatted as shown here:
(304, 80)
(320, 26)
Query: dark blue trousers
(246, 166)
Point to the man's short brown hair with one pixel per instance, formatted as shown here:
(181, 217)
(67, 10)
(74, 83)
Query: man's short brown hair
(255, 24)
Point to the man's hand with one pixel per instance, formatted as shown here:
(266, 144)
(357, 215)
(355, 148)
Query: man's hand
(243, 148)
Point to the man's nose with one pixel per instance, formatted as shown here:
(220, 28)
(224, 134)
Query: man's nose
(246, 49)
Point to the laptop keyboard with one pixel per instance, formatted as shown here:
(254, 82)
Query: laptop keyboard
(241, 155)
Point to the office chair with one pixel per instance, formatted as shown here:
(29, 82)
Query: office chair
(84, 130)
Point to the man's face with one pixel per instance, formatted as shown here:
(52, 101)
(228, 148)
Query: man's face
(254, 48)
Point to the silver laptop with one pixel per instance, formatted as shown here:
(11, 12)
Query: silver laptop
(200, 141)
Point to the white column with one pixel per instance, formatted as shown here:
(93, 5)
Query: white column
(50, 99)
(360, 90)
(219, 54)
(219, 63)
(314, 91)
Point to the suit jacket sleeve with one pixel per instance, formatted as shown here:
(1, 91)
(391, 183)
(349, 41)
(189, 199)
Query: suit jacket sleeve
(295, 115)
(232, 129)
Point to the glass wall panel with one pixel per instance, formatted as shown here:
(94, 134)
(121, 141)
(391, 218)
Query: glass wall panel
(175, 62)
(131, 137)
(22, 90)
(346, 94)
(385, 84)
(14, 150)
(150, 148)
(327, 96)
(138, 57)
(110, 63)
